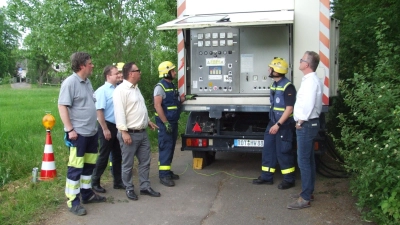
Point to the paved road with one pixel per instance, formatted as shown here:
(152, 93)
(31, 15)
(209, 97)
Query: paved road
(221, 193)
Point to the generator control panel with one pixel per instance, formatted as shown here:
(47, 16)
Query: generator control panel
(229, 60)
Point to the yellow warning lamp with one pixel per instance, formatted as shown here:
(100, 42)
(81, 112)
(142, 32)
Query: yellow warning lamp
(48, 121)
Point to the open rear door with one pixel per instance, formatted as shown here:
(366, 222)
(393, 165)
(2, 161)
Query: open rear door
(230, 20)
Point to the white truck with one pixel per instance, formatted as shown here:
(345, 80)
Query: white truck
(224, 48)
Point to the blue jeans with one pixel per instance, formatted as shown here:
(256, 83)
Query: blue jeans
(305, 156)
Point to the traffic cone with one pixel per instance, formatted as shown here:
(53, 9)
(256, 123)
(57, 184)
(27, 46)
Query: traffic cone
(48, 171)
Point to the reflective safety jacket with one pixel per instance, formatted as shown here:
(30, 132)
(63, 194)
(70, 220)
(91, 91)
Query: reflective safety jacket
(171, 103)
(277, 99)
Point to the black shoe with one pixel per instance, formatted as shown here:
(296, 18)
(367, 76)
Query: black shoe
(167, 181)
(150, 192)
(119, 186)
(98, 188)
(78, 210)
(285, 185)
(94, 199)
(131, 195)
(261, 181)
(174, 176)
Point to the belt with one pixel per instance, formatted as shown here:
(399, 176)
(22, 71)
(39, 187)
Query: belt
(110, 122)
(136, 131)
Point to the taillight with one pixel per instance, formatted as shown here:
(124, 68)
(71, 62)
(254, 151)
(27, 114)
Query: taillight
(196, 142)
(316, 146)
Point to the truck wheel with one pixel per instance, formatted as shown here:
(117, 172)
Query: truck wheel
(208, 157)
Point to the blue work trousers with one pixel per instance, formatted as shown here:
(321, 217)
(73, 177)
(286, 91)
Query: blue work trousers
(166, 147)
(278, 149)
(82, 161)
(305, 156)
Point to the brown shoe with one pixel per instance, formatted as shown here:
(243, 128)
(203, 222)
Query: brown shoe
(300, 203)
(296, 196)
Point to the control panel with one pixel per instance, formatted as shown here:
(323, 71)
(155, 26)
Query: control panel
(226, 60)
(215, 60)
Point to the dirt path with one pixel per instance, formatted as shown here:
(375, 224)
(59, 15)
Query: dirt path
(22, 85)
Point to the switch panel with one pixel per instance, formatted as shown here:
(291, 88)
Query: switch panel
(220, 63)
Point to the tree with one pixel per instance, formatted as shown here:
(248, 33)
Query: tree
(8, 44)
(111, 31)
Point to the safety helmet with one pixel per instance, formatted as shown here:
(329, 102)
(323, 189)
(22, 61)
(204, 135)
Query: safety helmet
(279, 65)
(164, 68)
(120, 65)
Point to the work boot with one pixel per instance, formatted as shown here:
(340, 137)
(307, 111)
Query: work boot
(174, 176)
(259, 180)
(78, 210)
(285, 185)
(167, 181)
(94, 199)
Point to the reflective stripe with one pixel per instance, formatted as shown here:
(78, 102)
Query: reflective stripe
(290, 170)
(166, 89)
(172, 107)
(75, 161)
(91, 158)
(279, 109)
(268, 169)
(164, 168)
(279, 88)
(72, 187)
(85, 181)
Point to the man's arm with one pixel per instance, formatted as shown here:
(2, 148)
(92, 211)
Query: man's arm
(64, 115)
(157, 105)
(103, 124)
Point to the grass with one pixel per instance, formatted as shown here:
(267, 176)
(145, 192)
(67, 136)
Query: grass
(22, 139)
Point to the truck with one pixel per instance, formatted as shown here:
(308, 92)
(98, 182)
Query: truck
(224, 48)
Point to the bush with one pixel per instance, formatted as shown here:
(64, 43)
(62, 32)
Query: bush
(371, 132)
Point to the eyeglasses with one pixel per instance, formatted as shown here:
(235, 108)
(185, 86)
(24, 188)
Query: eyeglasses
(302, 60)
(135, 71)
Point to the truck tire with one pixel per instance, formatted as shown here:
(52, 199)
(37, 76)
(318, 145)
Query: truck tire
(208, 157)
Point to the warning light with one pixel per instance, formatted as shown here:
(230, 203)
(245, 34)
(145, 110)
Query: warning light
(48, 121)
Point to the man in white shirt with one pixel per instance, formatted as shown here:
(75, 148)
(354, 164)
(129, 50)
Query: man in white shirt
(132, 119)
(306, 114)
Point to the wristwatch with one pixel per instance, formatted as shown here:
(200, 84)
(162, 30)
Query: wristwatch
(279, 124)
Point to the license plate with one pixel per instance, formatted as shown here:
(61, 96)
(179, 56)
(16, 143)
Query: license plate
(248, 143)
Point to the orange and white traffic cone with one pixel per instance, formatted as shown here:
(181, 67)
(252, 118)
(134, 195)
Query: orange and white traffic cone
(48, 170)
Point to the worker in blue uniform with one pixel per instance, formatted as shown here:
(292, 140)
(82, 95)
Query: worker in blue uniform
(279, 133)
(167, 105)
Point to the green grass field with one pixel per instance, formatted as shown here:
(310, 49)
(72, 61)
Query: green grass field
(22, 140)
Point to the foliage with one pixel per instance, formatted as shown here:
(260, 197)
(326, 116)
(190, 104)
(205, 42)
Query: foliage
(357, 45)
(111, 31)
(371, 130)
(8, 44)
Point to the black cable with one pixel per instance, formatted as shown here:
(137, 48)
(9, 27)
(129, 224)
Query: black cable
(322, 166)
(328, 167)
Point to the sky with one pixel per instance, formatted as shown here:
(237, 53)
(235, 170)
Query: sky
(3, 3)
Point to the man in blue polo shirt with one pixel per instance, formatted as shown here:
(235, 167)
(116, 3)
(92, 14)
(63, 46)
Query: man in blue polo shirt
(108, 132)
